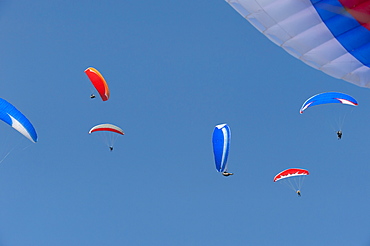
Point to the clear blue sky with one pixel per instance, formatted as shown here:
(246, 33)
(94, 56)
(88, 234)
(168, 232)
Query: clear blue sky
(175, 69)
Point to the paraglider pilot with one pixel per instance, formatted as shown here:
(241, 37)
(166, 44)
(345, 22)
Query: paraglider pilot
(111, 148)
(339, 134)
(298, 192)
(226, 174)
(92, 96)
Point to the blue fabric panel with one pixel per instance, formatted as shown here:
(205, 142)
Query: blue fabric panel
(346, 29)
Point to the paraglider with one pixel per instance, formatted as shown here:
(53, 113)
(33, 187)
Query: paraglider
(9, 141)
(329, 98)
(221, 144)
(333, 37)
(293, 177)
(108, 133)
(13, 117)
(98, 82)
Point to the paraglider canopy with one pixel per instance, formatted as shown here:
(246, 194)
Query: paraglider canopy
(106, 127)
(13, 117)
(328, 97)
(221, 144)
(331, 36)
(291, 172)
(99, 82)
(11, 141)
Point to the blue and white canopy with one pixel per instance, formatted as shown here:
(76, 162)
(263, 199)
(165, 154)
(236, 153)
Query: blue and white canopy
(328, 97)
(330, 35)
(221, 143)
(13, 117)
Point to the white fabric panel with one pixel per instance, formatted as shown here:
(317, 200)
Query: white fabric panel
(299, 22)
(359, 76)
(19, 127)
(277, 35)
(262, 17)
(341, 66)
(283, 9)
(240, 9)
(324, 53)
(291, 26)
(308, 40)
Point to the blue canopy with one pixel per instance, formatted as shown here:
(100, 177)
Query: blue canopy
(221, 143)
(328, 97)
(13, 117)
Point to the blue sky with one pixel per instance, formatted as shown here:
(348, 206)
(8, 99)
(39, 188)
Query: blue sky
(175, 70)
